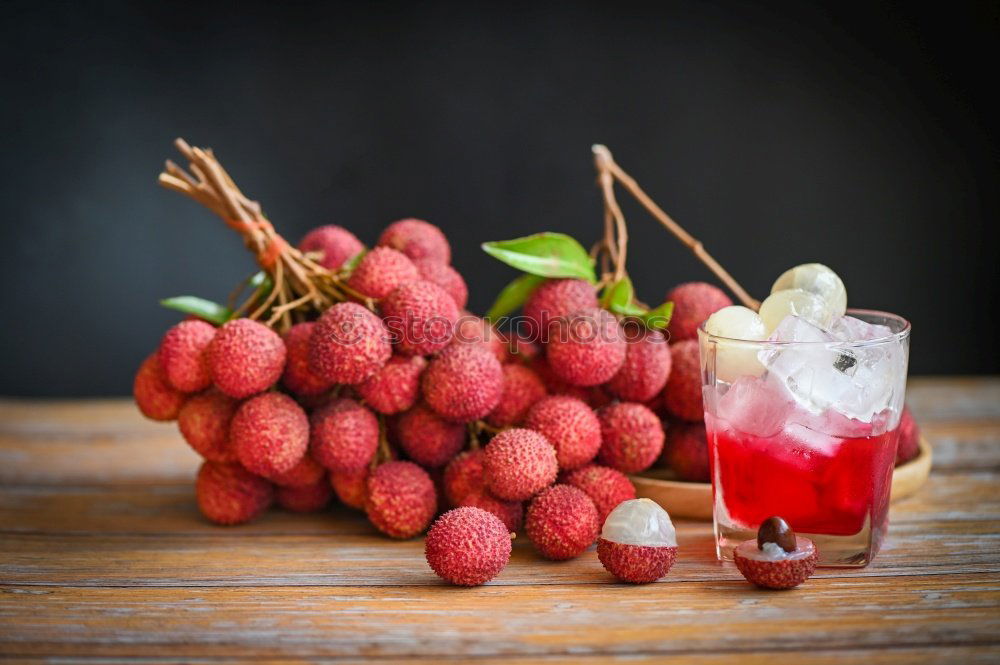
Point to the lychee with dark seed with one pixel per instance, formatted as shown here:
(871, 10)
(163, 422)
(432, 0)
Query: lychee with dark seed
(777, 559)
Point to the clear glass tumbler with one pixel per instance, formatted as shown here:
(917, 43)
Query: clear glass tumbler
(807, 429)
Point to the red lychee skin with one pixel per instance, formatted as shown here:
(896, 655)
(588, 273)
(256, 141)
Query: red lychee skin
(693, 303)
(421, 317)
(784, 574)
(306, 472)
(394, 388)
(570, 426)
(518, 464)
(184, 358)
(298, 377)
(605, 486)
(229, 494)
(682, 395)
(400, 500)
(427, 438)
(646, 367)
(351, 488)
(687, 451)
(463, 475)
(335, 243)
(348, 344)
(204, 423)
(511, 513)
(463, 383)
(472, 329)
(306, 498)
(522, 349)
(562, 522)
(446, 277)
(467, 546)
(417, 239)
(343, 436)
(269, 434)
(587, 348)
(521, 389)
(555, 299)
(381, 271)
(156, 399)
(245, 358)
(631, 437)
(909, 438)
(635, 564)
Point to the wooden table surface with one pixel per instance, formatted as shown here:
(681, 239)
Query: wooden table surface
(103, 555)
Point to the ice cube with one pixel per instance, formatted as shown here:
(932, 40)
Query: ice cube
(815, 278)
(851, 329)
(735, 359)
(755, 406)
(796, 302)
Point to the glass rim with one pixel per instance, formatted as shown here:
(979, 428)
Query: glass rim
(897, 336)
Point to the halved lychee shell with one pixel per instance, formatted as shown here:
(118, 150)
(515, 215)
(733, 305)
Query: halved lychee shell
(776, 574)
(635, 564)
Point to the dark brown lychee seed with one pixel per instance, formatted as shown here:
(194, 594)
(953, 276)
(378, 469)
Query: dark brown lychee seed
(776, 530)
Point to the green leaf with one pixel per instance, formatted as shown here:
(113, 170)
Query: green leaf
(513, 295)
(545, 254)
(659, 318)
(619, 294)
(352, 263)
(258, 279)
(203, 309)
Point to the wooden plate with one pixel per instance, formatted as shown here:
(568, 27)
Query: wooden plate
(694, 500)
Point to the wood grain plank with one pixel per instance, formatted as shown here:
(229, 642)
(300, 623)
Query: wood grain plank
(964, 398)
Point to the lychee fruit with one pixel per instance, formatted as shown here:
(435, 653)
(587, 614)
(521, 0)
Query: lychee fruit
(687, 451)
(467, 546)
(229, 494)
(381, 271)
(638, 543)
(463, 383)
(693, 303)
(682, 395)
(556, 299)
(417, 239)
(348, 344)
(334, 245)
(631, 437)
(183, 355)
(269, 434)
(245, 358)
(561, 522)
(511, 513)
(777, 559)
(427, 438)
(464, 474)
(305, 498)
(343, 435)
(646, 367)
(400, 500)
(521, 389)
(521, 348)
(421, 317)
(909, 438)
(472, 329)
(156, 398)
(306, 472)
(518, 464)
(586, 348)
(395, 387)
(298, 377)
(570, 426)
(446, 277)
(351, 487)
(605, 486)
(204, 423)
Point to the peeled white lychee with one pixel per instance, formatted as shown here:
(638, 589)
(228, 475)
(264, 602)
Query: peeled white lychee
(732, 326)
(638, 543)
(815, 278)
(795, 302)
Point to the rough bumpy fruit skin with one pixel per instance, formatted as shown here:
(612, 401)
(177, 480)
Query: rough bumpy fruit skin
(305, 498)
(229, 494)
(348, 344)
(693, 303)
(555, 299)
(909, 438)
(473, 330)
(204, 423)
(394, 388)
(464, 474)
(687, 451)
(336, 243)
(463, 383)
(467, 546)
(784, 574)
(245, 358)
(400, 499)
(511, 513)
(570, 426)
(298, 377)
(605, 486)
(518, 464)
(446, 277)
(153, 395)
(417, 239)
(381, 271)
(631, 437)
(562, 522)
(351, 488)
(522, 349)
(521, 389)
(587, 348)
(269, 434)
(646, 367)
(306, 472)
(343, 436)
(183, 355)
(421, 317)
(682, 396)
(635, 564)
(427, 438)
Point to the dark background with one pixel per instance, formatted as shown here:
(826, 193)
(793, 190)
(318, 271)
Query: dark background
(864, 138)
